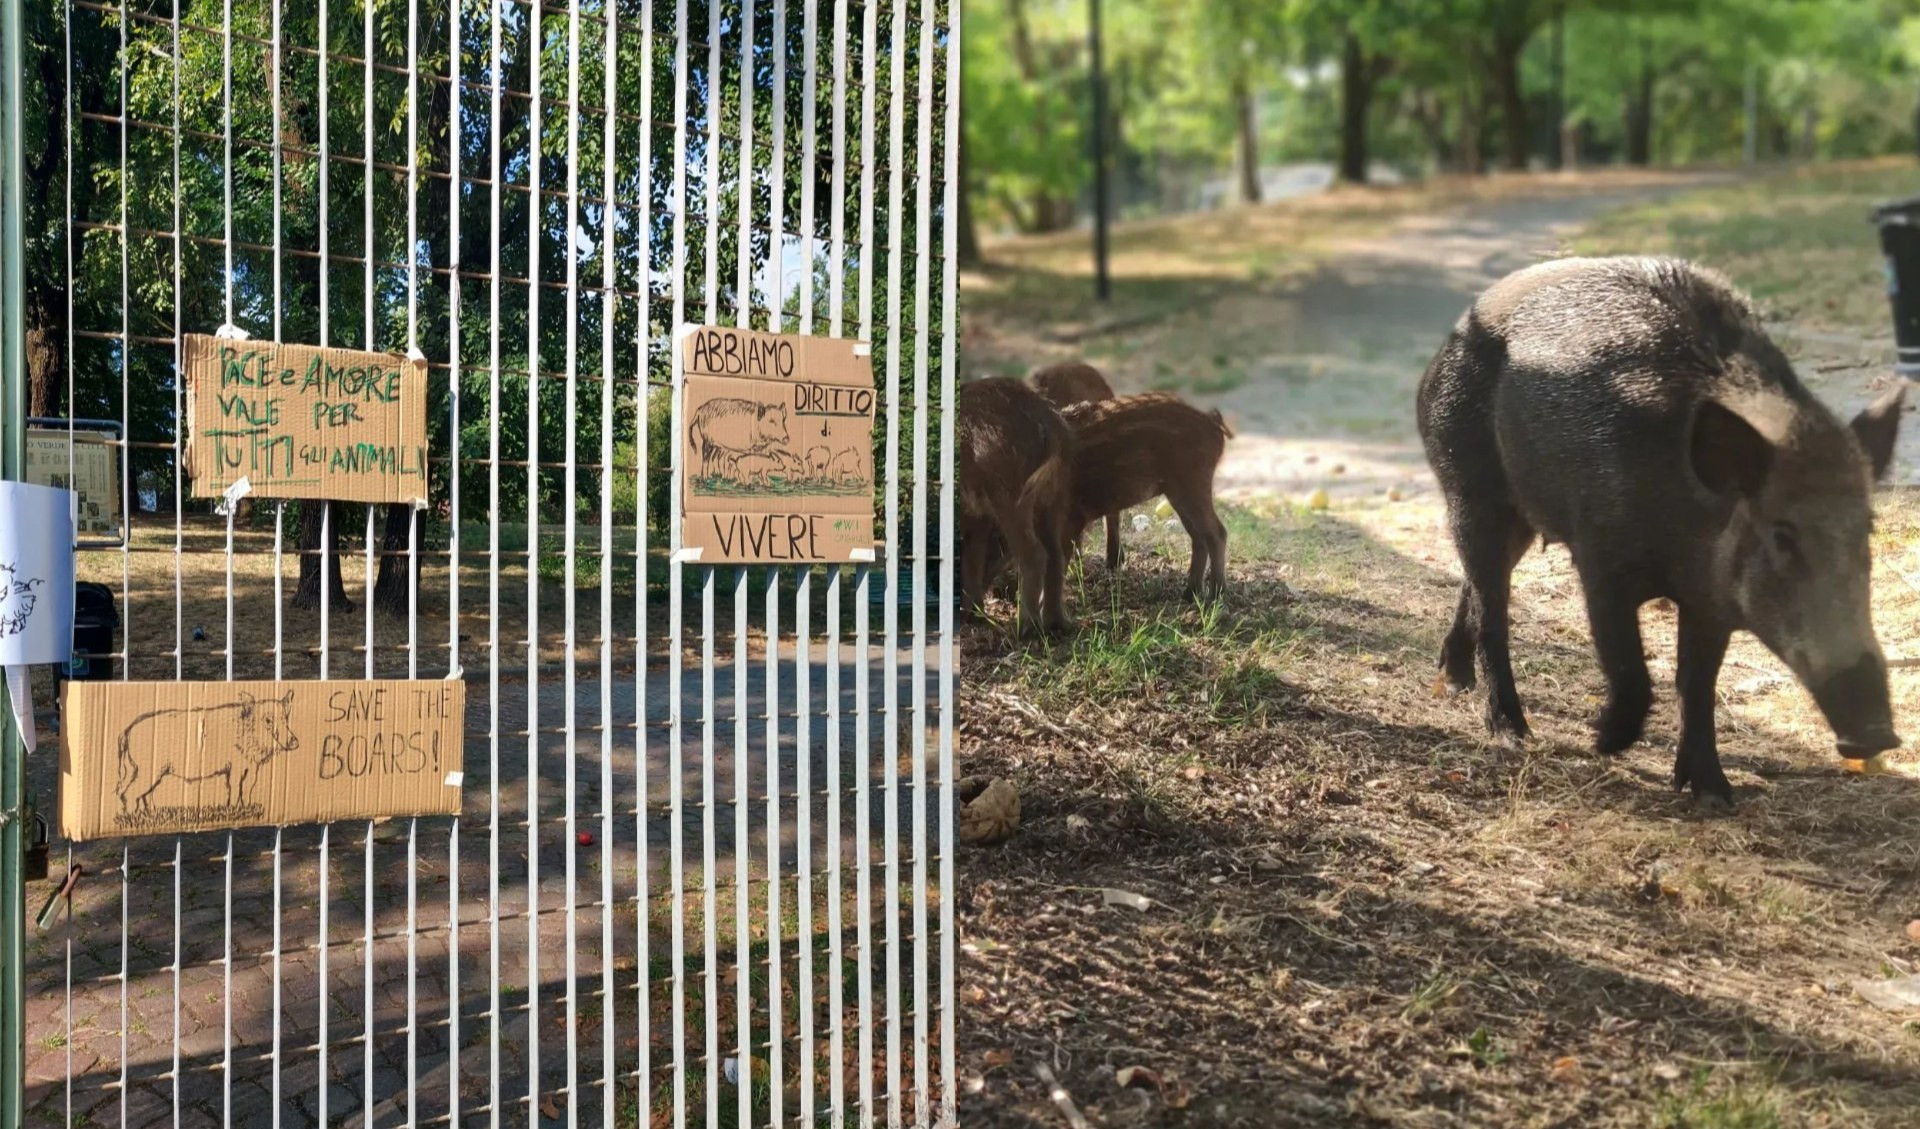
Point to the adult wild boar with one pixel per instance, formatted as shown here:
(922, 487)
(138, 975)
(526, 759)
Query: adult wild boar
(1635, 410)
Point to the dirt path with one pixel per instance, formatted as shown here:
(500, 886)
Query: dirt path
(1320, 392)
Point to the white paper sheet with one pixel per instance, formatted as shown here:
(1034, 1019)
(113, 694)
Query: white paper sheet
(36, 587)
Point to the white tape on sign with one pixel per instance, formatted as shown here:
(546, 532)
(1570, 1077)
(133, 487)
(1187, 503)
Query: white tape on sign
(20, 698)
(690, 553)
(238, 490)
(454, 779)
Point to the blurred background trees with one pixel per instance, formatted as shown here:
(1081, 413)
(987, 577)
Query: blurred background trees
(1219, 101)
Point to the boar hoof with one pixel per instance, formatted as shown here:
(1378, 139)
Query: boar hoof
(1714, 802)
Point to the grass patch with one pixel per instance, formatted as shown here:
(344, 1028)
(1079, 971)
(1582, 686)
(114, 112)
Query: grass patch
(1800, 242)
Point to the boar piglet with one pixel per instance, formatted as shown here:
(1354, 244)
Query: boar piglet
(1636, 411)
(1015, 481)
(1132, 449)
(1076, 382)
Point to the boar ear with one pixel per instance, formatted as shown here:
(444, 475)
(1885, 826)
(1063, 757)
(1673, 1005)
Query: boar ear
(1878, 427)
(1728, 454)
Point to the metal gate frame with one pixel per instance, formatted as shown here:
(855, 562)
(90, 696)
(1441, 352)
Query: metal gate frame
(916, 952)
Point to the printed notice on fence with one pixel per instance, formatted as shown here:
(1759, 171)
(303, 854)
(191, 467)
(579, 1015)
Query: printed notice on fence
(149, 758)
(85, 462)
(298, 421)
(776, 459)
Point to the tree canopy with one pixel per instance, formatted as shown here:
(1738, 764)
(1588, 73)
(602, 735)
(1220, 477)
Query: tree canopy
(1422, 85)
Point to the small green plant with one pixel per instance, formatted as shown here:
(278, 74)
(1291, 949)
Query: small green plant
(1485, 1048)
(1430, 997)
(1737, 1106)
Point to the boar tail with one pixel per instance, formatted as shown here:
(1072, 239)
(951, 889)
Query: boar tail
(1221, 421)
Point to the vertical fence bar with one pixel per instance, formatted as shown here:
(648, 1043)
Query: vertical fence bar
(709, 911)
(497, 173)
(643, 393)
(950, 379)
(896, 247)
(569, 586)
(836, 287)
(179, 648)
(456, 395)
(609, 310)
(370, 252)
(922, 260)
(13, 425)
(126, 488)
(536, 125)
(413, 526)
(325, 1002)
(279, 555)
(803, 613)
(742, 771)
(676, 789)
(862, 738)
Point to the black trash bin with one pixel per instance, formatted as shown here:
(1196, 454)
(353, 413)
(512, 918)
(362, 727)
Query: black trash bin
(1899, 222)
(94, 619)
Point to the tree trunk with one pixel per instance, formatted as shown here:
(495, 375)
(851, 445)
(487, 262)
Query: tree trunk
(1249, 139)
(1356, 98)
(1809, 133)
(390, 584)
(1430, 113)
(1513, 103)
(1640, 114)
(969, 249)
(307, 595)
(46, 348)
(1471, 109)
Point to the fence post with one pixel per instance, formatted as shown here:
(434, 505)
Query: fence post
(13, 415)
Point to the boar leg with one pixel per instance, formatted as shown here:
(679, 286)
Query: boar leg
(1029, 558)
(1615, 621)
(1054, 595)
(1456, 654)
(1113, 541)
(1491, 540)
(973, 570)
(1702, 646)
(1209, 538)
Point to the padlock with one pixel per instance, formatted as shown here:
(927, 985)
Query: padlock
(34, 866)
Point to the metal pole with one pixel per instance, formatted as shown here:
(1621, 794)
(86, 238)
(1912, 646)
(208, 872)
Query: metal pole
(13, 414)
(1103, 284)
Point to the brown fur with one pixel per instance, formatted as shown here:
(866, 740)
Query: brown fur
(1132, 449)
(1067, 384)
(1016, 481)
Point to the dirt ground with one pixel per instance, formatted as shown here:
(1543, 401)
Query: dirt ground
(1356, 910)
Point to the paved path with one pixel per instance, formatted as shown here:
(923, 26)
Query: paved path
(178, 929)
(1351, 338)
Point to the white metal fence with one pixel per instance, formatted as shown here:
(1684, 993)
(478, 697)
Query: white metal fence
(699, 875)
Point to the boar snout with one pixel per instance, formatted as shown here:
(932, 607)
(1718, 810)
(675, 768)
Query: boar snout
(1856, 707)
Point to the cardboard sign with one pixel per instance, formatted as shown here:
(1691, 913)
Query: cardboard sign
(776, 462)
(145, 758)
(298, 421)
(89, 466)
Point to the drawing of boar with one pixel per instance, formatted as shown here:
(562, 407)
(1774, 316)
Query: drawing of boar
(846, 467)
(234, 739)
(725, 428)
(819, 462)
(751, 469)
